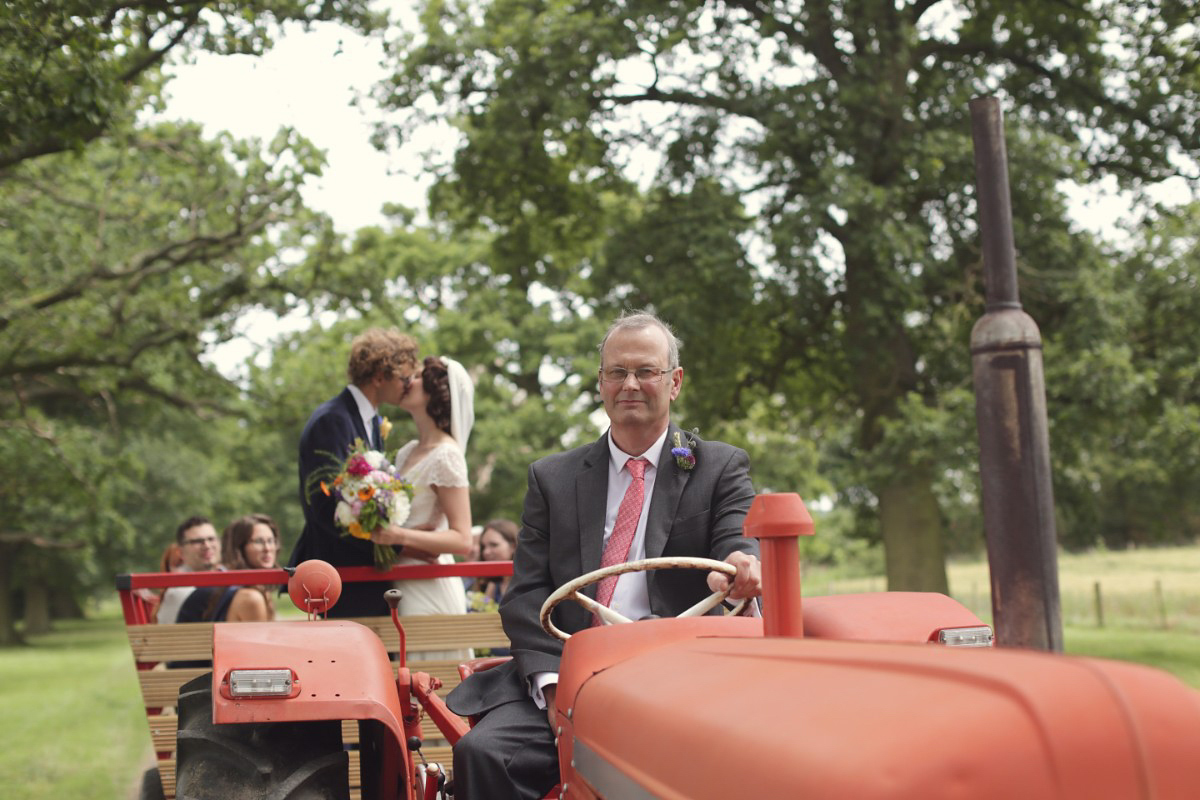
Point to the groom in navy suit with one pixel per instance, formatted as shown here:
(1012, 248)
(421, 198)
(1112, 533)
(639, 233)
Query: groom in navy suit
(381, 365)
(578, 515)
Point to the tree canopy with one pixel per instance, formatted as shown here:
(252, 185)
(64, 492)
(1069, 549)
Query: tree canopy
(71, 69)
(828, 144)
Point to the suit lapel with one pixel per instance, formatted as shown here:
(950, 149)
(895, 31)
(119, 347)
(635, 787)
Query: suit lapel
(591, 489)
(668, 487)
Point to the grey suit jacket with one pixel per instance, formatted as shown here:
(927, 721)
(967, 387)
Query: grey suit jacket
(697, 512)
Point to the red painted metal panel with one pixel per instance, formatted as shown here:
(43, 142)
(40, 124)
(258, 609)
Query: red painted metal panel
(804, 717)
(884, 616)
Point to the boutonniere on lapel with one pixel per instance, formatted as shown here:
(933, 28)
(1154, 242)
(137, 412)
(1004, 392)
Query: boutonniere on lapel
(685, 459)
(385, 427)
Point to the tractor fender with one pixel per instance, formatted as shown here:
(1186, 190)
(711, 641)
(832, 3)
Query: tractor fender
(885, 616)
(341, 671)
(713, 716)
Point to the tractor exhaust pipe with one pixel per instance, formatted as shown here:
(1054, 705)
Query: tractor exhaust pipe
(776, 520)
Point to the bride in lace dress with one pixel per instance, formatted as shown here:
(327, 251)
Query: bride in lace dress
(441, 402)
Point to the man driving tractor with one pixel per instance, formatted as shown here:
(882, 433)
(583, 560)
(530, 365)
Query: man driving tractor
(645, 489)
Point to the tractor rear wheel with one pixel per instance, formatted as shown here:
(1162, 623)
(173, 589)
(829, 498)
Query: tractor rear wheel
(270, 760)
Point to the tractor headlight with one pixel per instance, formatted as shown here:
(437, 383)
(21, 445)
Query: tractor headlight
(979, 636)
(262, 683)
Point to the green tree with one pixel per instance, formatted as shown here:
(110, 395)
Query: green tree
(72, 69)
(126, 254)
(844, 127)
(121, 267)
(1128, 401)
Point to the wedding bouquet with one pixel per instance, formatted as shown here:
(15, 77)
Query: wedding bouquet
(369, 495)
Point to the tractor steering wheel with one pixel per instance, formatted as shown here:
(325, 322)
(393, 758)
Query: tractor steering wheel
(572, 589)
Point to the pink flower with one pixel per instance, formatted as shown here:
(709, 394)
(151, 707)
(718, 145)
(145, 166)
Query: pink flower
(358, 466)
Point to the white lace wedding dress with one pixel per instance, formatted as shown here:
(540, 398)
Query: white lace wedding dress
(444, 466)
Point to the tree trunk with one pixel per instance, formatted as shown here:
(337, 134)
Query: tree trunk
(9, 637)
(37, 606)
(65, 605)
(884, 372)
(912, 534)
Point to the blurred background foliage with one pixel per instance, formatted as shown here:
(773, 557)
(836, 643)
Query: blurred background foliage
(810, 233)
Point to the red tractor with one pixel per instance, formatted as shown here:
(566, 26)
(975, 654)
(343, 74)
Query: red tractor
(890, 695)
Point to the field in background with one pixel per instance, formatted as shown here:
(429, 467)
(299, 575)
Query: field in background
(73, 720)
(1146, 589)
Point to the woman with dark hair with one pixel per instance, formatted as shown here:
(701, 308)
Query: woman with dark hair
(249, 542)
(441, 404)
(498, 542)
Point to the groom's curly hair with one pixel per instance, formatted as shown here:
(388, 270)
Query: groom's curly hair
(382, 352)
(435, 379)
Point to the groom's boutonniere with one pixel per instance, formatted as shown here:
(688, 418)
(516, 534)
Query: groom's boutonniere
(684, 457)
(385, 427)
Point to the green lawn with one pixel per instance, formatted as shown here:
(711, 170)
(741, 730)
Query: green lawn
(1176, 653)
(73, 720)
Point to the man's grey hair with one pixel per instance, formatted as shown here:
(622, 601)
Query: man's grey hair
(636, 320)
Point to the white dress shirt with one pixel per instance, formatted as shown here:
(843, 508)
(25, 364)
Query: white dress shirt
(631, 597)
(365, 410)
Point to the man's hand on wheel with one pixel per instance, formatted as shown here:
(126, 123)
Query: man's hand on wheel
(747, 582)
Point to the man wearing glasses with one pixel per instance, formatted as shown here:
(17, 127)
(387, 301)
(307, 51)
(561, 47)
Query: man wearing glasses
(381, 365)
(645, 489)
(201, 549)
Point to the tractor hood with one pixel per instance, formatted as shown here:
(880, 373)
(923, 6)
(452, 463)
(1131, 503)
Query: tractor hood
(708, 709)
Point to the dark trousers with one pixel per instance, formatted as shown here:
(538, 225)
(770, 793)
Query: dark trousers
(508, 755)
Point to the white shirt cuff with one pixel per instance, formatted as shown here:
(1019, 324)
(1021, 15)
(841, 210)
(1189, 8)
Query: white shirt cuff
(538, 681)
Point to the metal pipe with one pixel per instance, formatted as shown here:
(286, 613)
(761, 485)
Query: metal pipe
(776, 520)
(1010, 411)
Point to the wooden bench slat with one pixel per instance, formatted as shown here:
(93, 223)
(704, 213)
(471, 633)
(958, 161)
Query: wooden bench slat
(193, 640)
(434, 755)
(164, 726)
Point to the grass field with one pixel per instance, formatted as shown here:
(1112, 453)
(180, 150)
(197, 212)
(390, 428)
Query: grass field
(1147, 589)
(73, 720)
(74, 727)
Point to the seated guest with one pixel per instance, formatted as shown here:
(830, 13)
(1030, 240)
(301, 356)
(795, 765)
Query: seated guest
(250, 542)
(498, 542)
(171, 561)
(201, 552)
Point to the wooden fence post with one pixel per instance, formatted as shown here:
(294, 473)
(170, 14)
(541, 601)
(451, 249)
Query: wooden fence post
(1099, 606)
(1162, 604)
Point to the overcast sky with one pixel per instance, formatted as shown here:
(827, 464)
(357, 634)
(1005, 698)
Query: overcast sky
(307, 81)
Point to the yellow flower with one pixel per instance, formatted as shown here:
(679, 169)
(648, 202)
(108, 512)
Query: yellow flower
(357, 531)
(385, 427)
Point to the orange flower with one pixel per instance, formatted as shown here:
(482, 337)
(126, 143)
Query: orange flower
(324, 488)
(357, 531)
(366, 493)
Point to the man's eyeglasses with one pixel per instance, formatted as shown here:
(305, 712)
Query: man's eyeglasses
(205, 540)
(642, 374)
(263, 542)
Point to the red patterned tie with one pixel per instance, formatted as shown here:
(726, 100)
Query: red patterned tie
(625, 526)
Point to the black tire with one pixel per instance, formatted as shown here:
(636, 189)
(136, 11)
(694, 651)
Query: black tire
(152, 786)
(268, 760)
